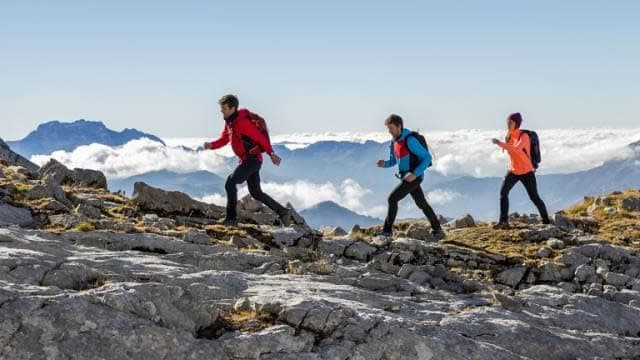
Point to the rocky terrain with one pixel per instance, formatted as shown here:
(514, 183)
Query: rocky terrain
(90, 274)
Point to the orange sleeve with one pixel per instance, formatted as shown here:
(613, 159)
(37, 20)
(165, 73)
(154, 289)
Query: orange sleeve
(520, 145)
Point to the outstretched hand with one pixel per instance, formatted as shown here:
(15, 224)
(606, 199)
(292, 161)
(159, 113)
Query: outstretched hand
(275, 159)
(380, 163)
(207, 145)
(496, 141)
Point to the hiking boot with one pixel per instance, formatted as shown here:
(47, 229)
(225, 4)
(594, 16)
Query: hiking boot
(285, 218)
(385, 233)
(502, 225)
(438, 234)
(230, 222)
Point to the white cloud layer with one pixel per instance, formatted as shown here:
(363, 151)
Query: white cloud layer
(462, 152)
(441, 197)
(304, 194)
(349, 194)
(136, 157)
(470, 152)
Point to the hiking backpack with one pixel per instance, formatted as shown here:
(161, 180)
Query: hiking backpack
(414, 160)
(261, 125)
(534, 144)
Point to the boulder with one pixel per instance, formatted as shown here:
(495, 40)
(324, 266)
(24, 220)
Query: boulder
(544, 252)
(252, 211)
(573, 259)
(67, 221)
(541, 232)
(360, 251)
(12, 158)
(283, 237)
(166, 203)
(616, 279)
(333, 231)
(57, 172)
(49, 189)
(247, 242)
(555, 243)
(563, 222)
(512, 276)
(625, 296)
(11, 215)
(465, 221)
(334, 246)
(87, 199)
(89, 178)
(631, 204)
(89, 211)
(549, 272)
(585, 273)
(198, 237)
(420, 231)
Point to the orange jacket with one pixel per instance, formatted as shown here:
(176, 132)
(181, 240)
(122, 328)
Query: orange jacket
(518, 149)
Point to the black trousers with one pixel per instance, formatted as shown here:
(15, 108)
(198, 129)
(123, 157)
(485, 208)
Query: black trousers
(400, 192)
(248, 171)
(529, 182)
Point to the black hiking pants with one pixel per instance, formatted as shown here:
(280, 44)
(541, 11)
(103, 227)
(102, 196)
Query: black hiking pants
(529, 182)
(400, 192)
(248, 171)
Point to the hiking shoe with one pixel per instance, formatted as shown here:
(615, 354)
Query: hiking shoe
(385, 234)
(438, 234)
(230, 222)
(502, 225)
(285, 218)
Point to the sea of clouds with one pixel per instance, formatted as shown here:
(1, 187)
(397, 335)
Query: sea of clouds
(350, 194)
(137, 157)
(470, 152)
(461, 152)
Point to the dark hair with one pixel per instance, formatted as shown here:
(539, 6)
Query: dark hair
(229, 100)
(394, 119)
(516, 118)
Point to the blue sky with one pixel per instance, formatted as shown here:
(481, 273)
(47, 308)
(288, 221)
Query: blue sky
(160, 66)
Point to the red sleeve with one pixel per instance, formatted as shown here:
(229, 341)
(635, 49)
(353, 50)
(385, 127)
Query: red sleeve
(222, 140)
(258, 137)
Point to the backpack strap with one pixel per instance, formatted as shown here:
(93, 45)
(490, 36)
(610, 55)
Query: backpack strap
(526, 132)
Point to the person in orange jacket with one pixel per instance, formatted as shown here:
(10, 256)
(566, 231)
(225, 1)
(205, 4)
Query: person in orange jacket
(521, 169)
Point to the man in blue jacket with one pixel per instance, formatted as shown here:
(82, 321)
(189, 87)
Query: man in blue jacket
(413, 158)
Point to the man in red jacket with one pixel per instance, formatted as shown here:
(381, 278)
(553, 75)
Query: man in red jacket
(248, 142)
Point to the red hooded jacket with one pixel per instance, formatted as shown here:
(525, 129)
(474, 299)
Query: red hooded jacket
(238, 132)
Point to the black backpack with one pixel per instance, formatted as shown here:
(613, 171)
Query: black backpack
(534, 142)
(414, 160)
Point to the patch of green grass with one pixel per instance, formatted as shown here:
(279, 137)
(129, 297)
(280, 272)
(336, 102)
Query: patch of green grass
(85, 227)
(22, 188)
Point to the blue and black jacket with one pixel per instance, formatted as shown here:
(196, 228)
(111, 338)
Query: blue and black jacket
(400, 152)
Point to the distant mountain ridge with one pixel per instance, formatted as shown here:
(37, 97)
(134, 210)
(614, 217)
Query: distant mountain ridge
(55, 135)
(328, 213)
